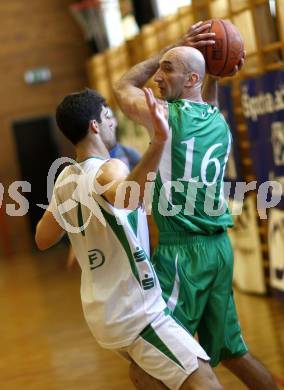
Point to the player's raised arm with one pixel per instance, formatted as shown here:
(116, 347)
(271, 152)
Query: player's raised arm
(129, 94)
(210, 84)
(210, 90)
(113, 175)
(128, 90)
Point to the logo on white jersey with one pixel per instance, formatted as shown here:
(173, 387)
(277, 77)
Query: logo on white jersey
(96, 258)
(144, 269)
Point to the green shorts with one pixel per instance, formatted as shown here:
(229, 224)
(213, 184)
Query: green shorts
(195, 274)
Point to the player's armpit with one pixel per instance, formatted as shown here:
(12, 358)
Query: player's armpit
(48, 231)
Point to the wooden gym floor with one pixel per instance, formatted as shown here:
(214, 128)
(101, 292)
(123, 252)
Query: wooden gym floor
(46, 345)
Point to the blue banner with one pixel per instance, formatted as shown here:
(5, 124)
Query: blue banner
(263, 106)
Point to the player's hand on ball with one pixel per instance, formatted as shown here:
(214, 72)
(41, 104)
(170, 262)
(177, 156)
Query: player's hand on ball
(197, 37)
(238, 67)
(158, 117)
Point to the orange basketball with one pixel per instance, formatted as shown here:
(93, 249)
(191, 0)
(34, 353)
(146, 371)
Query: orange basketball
(227, 51)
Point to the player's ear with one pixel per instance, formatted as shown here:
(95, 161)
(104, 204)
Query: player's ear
(93, 126)
(193, 79)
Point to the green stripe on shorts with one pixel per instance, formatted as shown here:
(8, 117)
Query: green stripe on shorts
(149, 335)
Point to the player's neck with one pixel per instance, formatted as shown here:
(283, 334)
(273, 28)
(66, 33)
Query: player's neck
(86, 149)
(192, 95)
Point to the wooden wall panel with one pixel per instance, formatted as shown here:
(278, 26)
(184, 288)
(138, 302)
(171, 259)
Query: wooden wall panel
(35, 34)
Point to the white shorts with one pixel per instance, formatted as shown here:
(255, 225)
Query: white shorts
(166, 351)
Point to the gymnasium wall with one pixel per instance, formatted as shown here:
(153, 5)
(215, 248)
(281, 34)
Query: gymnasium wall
(34, 34)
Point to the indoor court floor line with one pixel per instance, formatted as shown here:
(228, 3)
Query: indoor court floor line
(46, 345)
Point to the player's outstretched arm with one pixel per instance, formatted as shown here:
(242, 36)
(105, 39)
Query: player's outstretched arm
(113, 174)
(158, 117)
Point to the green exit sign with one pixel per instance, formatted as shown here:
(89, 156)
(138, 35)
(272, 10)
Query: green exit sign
(39, 75)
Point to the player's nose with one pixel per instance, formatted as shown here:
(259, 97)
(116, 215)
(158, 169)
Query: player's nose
(157, 76)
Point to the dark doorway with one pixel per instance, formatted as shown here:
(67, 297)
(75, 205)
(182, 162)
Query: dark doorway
(37, 149)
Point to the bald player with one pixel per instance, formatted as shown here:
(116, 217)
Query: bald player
(194, 258)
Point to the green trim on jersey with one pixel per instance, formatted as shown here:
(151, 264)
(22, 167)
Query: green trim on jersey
(120, 234)
(133, 221)
(152, 338)
(80, 218)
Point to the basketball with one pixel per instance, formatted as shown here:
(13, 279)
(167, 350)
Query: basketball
(227, 51)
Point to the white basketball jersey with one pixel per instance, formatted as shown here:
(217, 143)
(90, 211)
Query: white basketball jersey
(120, 292)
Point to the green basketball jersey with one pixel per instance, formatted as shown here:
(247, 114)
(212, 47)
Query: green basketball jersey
(189, 188)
